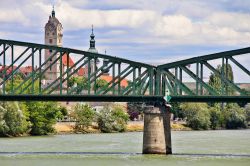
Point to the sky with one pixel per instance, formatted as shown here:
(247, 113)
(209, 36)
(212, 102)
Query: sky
(150, 31)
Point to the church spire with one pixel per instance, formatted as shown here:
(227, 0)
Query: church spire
(92, 41)
(53, 13)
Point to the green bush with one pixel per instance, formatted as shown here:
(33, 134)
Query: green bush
(235, 117)
(112, 119)
(216, 117)
(43, 115)
(197, 115)
(247, 108)
(13, 121)
(84, 116)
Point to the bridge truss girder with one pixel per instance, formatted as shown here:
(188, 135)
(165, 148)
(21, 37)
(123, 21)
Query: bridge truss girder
(145, 82)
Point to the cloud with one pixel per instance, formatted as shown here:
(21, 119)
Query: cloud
(12, 16)
(173, 26)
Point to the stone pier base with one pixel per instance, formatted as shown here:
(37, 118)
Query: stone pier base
(157, 132)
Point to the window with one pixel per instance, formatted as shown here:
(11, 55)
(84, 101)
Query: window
(50, 41)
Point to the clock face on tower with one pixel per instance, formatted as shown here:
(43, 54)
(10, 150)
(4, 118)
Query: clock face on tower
(51, 27)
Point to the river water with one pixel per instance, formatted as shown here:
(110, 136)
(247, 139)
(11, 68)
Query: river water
(220, 147)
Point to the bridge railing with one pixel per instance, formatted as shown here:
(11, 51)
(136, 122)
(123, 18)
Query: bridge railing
(191, 77)
(37, 70)
(70, 71)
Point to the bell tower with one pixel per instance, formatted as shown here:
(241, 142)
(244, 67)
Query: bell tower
(53, 36)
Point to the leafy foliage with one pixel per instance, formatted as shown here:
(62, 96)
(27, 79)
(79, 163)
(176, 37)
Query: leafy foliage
(80, 83)
(43, 116)
(247, 108)
(26, 87)
(84, 116)
(197, 115)
(135, 109)
(216, 82)
(112, 119)
(235, 117)
(100, 83)
(216, 117)
(13, 121)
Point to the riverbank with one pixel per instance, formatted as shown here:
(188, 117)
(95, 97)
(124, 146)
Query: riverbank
(132, 126)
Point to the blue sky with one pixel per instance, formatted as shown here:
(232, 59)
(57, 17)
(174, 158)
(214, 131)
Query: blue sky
(151, 31)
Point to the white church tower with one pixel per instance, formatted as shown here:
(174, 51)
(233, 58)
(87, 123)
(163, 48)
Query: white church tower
(53, 36)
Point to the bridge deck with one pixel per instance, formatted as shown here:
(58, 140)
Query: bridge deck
(94, 98)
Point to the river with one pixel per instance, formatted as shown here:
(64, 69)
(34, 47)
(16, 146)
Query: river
(220, 147)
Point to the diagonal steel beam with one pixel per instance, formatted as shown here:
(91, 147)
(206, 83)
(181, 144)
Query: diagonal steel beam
(37, 76)
(210, 89)
(16, 69)
(184, 87)
(225, 80)
(136, 82)
(114, 79)
(64, 73)
(240, 65)
(205, 58)
(69, 75)
(4, 50)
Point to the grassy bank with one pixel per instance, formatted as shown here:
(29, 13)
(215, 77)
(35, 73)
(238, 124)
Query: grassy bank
(68, 128)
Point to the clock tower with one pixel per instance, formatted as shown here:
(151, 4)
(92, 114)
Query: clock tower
(53, 36)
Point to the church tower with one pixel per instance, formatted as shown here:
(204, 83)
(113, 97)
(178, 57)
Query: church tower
(53, 36)
(92, 49)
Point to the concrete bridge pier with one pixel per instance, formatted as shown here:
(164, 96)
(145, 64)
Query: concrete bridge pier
(157, 130)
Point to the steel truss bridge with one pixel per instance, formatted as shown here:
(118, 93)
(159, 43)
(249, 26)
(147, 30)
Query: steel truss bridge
(146, 83)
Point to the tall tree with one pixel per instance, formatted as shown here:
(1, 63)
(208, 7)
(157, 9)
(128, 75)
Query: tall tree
(217, 83)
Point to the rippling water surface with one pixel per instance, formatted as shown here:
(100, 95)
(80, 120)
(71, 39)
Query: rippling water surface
(221, 147)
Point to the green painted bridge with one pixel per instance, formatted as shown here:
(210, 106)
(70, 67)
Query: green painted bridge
(52, 79)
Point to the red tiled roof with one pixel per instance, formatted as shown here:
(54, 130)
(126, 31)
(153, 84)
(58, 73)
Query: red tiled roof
(26, 70)
(82, 72)
(108, 78)
(9, 70)
(64, 60)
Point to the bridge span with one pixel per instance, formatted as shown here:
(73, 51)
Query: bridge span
(126, 81)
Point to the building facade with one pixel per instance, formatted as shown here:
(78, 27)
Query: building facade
(53, 36)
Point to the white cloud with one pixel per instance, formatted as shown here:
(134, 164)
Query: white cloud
(237, 21)
(13, 16)
(173, 25)
(75, 18)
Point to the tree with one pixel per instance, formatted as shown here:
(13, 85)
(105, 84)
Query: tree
(235, 117)
(82, 83)
(197, 115)
(63, 110)
(112, 119)
(135, 109)
(216, 117)
(100, 83)
(13, 121)
(247, 108)
(26, 87)
(176, 110)
(84, 116)
(72, 81)
(216, 82)
(43, 115)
